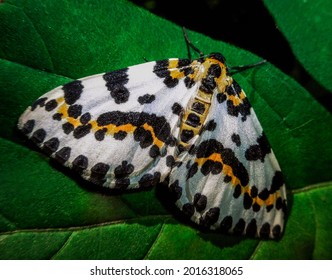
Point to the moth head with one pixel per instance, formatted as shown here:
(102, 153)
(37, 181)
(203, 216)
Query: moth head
(218, 56)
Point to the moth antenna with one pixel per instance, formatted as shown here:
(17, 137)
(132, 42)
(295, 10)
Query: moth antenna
(236, 69)
(190, 44)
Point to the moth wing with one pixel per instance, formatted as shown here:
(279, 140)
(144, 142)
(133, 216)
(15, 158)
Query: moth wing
(115, 129)
(230, 179)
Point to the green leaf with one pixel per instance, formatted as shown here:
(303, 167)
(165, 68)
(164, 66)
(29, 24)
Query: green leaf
(46, 212)
(307, 25)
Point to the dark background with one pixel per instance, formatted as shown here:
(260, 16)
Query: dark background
(243, 23)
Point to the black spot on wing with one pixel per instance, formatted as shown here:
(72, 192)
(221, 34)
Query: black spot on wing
(239, 227)
(154, 151)
(233, 89)
(208, 147)
(264, 232)
(63, 154)
(170, 161)
(188, 209)
(162, 71)
(221, 97)
(279, 203)
(120, 135)
(200, 202)
(269, 207)
(256, 207)
(182, 63)
(264, 194)
(210, 217)
(276, 231)
(227, 179)
(253, 191)
(237, 191)
(57, 117)
(98, 173)
(144, 137)
(247, 201)
(28, 126)
(123, 170)
(81, 131)
(277, 182)
(100, 134)
(243, 108)
(122, 183)
(211, 166)
(74, 111)
(145, 99)
(51, 105)
(39, 102)
(161, 68)
(177, 109)
(192, 150)
(226, 224)
(171, 82)
(251, 229)
(80, 163)
(72, 91)
(38, 136)
(259, 150)
(85, 118)
(189, 82)
(115, 83)
(176, 190)
(210, 126)
(149, 180)
(236, 139)
(67, 127)
(51, 145)
(192, 170)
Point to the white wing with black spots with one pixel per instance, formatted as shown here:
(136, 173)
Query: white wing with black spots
(115, 129)
(230, 179)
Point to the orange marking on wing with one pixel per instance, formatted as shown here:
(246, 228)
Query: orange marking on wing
(111, 128)
(63, 110)
(173, 63)
(156, 141)
(228, 171)
(174, 72)
(129, 128)
(94, 125)
(237, 100)
(73, 121)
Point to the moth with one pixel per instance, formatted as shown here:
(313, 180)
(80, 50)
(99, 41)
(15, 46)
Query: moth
(186, 121)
